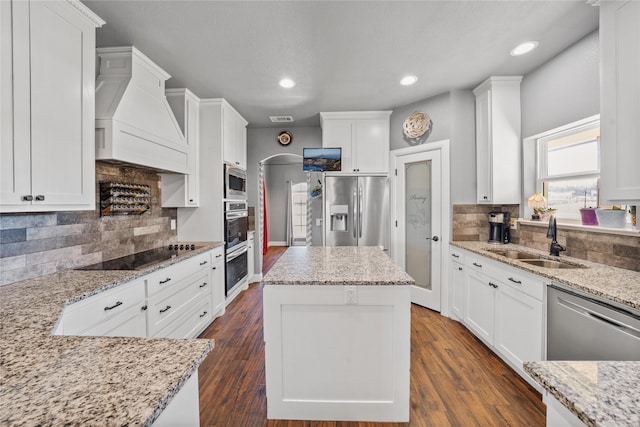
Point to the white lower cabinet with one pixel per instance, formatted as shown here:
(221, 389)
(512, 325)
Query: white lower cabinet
(218, 281)
(178, 301)
(480, 307)
(115, 312)
(503, 307)
(457, 280)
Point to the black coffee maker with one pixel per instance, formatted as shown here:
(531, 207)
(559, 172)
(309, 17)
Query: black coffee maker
(499, 227)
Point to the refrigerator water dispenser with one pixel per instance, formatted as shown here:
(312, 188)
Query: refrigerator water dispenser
(339, 217)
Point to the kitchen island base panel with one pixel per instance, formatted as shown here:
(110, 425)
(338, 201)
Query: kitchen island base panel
(337, 352)
(184, 408)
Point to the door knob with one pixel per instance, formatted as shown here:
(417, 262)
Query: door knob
(435, 238)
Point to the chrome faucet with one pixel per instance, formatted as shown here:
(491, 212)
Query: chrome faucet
(552, 232)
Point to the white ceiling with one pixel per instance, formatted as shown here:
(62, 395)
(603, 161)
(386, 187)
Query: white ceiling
(344, 55)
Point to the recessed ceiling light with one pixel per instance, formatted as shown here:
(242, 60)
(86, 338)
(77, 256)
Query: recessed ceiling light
(408, 80)
(523, 48)
(287, 83)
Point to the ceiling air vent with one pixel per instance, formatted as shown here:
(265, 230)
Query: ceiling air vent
(281, 119)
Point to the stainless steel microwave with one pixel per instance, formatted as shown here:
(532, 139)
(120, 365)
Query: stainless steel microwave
(235, 182)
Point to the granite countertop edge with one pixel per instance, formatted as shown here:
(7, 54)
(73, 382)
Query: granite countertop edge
(336, 283)
(556, 275)
(178, 386)
(532, 368)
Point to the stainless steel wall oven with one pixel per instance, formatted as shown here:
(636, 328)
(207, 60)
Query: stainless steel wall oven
(236, 224)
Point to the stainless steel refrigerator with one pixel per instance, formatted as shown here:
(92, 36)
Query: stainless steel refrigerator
(356, 211)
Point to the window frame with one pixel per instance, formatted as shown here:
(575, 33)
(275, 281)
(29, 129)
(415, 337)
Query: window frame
(541, 173)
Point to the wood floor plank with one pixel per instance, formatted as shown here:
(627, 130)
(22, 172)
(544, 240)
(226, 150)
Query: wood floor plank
(456, 381)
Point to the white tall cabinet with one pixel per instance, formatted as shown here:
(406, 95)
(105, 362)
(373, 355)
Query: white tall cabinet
(498, 140)
(620, 101)
(48, 108)
(363, 137)
(234, 137)
(207, 222)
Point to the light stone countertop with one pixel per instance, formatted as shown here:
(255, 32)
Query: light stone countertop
(72, 380)
(599, 393)
(338, 265)
(615, 284)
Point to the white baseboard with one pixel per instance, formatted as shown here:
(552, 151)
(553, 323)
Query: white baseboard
(277, 243)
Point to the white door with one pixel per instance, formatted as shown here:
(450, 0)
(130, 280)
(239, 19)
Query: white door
(418, 203)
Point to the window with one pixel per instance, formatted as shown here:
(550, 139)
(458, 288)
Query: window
(569, 168)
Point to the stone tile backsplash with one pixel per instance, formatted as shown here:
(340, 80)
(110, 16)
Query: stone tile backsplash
(35, 244)
(471, 223)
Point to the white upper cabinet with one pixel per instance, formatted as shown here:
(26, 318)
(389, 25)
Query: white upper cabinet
(498, 140)
(620, 102)
(234, 137)
(181, 191)
(47, 82)
(363, 137)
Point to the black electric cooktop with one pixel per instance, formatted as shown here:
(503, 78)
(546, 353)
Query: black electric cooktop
(142, 259)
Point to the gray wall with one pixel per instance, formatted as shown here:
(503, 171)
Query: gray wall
(277, 177)
(453, 117)
(564, 89)
(561, 91)
(261, 144)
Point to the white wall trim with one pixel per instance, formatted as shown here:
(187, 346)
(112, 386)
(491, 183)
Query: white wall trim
(277, 243)
(443, 147)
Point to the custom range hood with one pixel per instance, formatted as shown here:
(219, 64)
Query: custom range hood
(134, 122)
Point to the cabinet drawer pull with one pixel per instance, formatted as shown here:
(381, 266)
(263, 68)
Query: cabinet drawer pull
(39, 197)
(515, 281)
(477, 265)
(27, 198)
(143, 308)
(493, 285)
(460, 268)
(165, 309)
(203, 284)
(218, 256)
(118, 304)
(455, 255)
(162, 282)
(203, 314)
(203, 262)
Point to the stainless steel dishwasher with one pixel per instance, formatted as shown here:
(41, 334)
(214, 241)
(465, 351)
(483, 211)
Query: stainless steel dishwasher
(583, 327)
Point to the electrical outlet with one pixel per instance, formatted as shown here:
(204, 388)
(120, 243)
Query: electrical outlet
(318, 222)
(173, 224)
(350, 295)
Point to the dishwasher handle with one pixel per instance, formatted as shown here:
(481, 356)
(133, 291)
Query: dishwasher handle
(600, 317)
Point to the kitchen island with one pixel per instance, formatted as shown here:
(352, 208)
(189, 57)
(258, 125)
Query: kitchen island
(50, 379)
(337, 335)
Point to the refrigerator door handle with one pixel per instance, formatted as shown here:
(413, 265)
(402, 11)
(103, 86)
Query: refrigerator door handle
(360, 206)
(354, 203)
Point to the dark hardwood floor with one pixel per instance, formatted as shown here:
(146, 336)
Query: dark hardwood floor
(455, 379)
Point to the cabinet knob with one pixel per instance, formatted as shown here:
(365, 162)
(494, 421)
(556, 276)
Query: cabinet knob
(485, 197)
(460, 268)
(39, 197)
(27, 198)
(190, 200)
(435, 238)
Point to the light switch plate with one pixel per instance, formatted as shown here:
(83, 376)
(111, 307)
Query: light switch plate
(350, 295)
(173, 224)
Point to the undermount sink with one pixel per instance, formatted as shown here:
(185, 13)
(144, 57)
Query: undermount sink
(547, 263)
(513, 254)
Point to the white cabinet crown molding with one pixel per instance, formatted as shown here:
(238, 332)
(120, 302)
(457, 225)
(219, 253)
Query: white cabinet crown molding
(86, 12)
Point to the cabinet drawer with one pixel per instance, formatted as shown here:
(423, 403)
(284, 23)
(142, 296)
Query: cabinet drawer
(190, 324)
(130, 323)
(217, 255)
(170, 276)
(456, 255)
(522, 281)
(481, 264)
(170, 305)
(85, 314)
